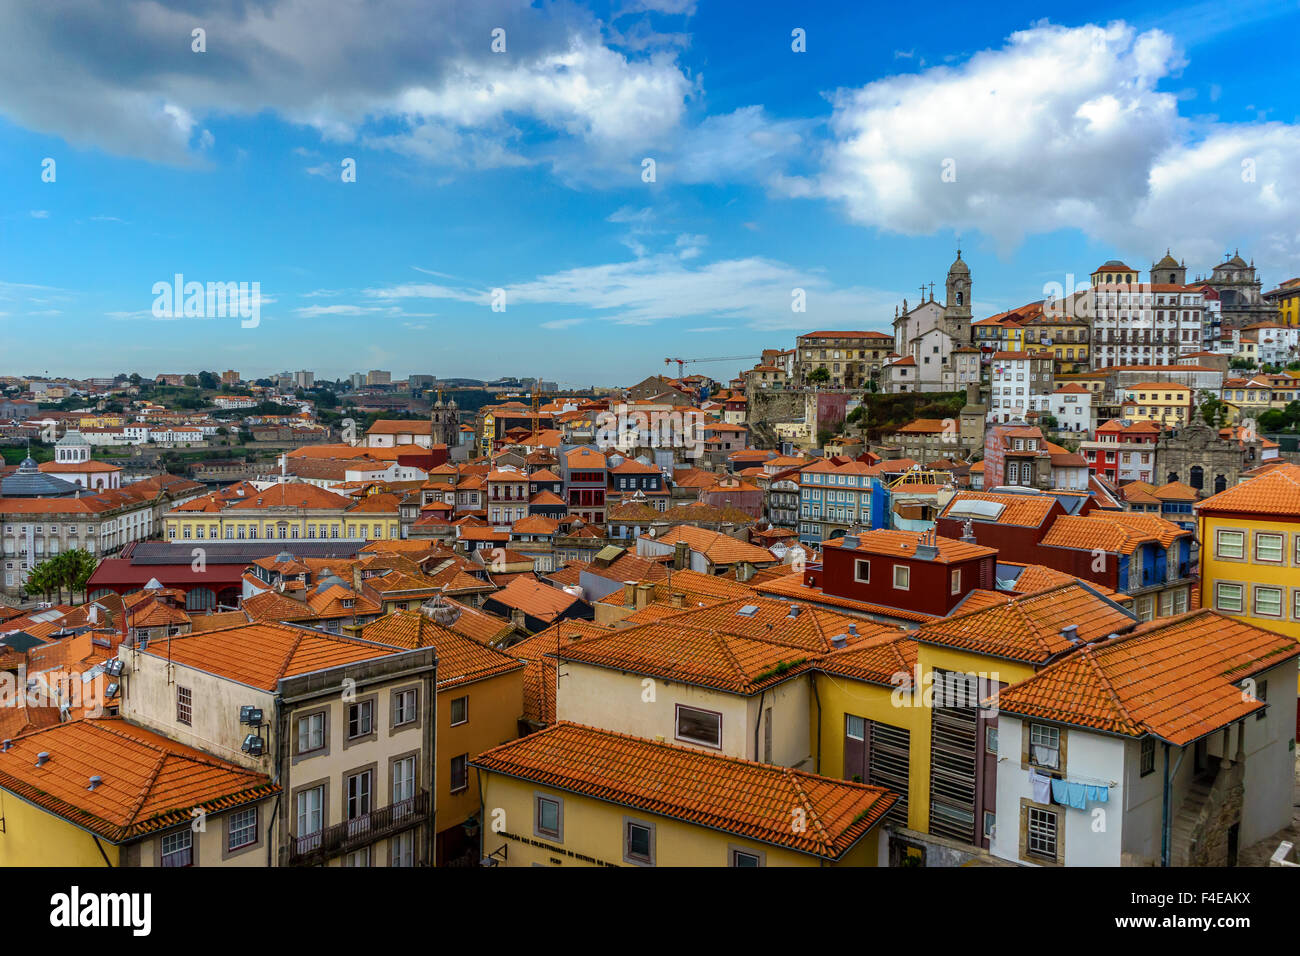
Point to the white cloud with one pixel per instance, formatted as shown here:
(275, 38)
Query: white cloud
(562, 323)
(754, 293)
(40, 214)
(1059, 128)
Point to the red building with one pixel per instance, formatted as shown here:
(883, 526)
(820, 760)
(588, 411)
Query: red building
(923, 572)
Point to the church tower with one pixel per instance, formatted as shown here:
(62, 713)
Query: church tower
(444, 422)
(956, 306)
(1168, 271)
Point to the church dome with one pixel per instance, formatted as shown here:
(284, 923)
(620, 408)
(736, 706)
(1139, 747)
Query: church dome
(73, 438)
(1168, 262)
(958, 265)
(28, 481)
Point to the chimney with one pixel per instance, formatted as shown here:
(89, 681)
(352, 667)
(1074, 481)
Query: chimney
(838, 641)
(744, 571)
(1071, 633)
(642, 595)
(4, 748)
(517, 618)
(95, 781)
(681, 556)
(678, 599)
(629, 593)
(794, 611)
(853, 630)
(42, 758)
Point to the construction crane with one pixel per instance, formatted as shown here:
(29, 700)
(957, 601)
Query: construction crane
(681, 363)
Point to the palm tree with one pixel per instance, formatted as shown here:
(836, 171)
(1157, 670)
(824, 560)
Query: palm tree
(80, 565)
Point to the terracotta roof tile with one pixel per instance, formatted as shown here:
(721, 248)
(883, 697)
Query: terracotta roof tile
(1176, 678)
(1028, 628)
(261, 654)
(460, 659)
(148, 781)
(750, 800)
(1275, 492)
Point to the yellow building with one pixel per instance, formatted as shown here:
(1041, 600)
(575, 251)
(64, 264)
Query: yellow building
(290, 511)
(1287, 298)
(105, 793)
(480, 695)
(105, 420)
(1250, 550)
(1165, 403)
(578, 796)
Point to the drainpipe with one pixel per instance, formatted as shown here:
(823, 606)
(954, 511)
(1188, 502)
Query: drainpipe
(812, 677)
(1166, 800)
(758, 725)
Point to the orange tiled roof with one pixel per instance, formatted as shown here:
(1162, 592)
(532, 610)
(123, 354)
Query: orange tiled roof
(1118, 532)
(535, 599)
(717, 547)
(1175, 678)
(739, 646)
(1028, 628)
(887, 659)
(736, 796)
(148, 782)
(261, 654)
(1024, 510)
(1275, 492)
(460, 659)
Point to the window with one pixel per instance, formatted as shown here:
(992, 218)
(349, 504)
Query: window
(359, 791)
(404, 702)
(902, 576)
(1041, 832)
(1268, 602)
(360, 719)
(744, 858)
(1261, 694)
(549, 820)
(460, 711)
(862, 571)
(638, 843)
(990, 822)
(855, 727)
(1147, 757)
(403, 849)
(184, 705)
(956, 582)
(241, 831)
(311, 733)
(459, 773)
(1230, 544)
(1268, 547)
(358, 857)
(1045, 746)
(178, 848)
(699, 726)
(991, 739)
(403, 773)
(1227, 597)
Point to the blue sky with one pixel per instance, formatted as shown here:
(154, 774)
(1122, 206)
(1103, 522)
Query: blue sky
(1073, 139)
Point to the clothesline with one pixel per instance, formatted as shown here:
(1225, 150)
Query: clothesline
(1070, 777)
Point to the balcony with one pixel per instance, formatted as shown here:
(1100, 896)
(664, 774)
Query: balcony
(316, 848)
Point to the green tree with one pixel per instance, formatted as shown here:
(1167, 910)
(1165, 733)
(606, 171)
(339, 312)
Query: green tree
(191, 381)
(40, 579)
(819, 374)
(208, 380)
(76, 567)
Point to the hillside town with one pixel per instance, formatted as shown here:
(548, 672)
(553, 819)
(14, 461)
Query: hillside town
(950, 589)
